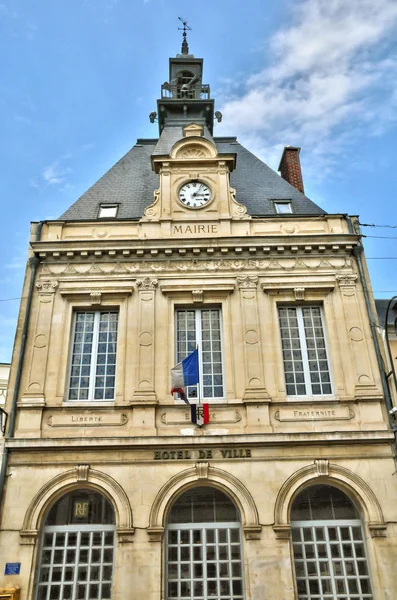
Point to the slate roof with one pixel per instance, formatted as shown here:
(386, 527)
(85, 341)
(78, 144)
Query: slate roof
(131, 183)
(171, 135)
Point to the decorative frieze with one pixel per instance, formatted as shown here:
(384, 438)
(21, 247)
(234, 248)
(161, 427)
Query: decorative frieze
(276, 265)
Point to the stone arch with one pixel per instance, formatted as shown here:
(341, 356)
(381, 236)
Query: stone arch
(193, 147)
(80, 476)
(205, 475)
(321, 471)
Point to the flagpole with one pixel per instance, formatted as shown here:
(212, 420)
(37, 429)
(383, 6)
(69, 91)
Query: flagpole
(198, 384)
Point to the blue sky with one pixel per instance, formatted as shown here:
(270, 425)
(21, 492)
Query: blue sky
(81, 77)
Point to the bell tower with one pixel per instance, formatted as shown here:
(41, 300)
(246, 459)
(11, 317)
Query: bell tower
(184, 98)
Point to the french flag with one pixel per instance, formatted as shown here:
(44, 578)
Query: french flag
(185, 373)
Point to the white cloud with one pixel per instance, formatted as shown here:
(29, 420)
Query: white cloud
(55, 173)
(330, 79)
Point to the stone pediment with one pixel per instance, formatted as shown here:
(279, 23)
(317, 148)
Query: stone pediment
(193, 129)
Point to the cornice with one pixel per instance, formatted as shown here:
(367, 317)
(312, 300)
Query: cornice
(338, 438)
(280, 245)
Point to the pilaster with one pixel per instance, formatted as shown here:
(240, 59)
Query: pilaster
(365, 385)
(254, 386)
(34, 392)
(145, 392)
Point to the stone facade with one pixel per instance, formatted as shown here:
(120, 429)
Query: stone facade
(140, 450)
(4, 375)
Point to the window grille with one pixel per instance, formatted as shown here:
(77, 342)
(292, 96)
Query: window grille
(77, 549)
(93, 356)
(202, 327)
(329, 552)
(305, 357)
(203, 548)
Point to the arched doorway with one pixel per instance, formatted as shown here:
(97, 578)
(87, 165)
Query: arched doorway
(77, 549)
(329, 549)
(203, 547)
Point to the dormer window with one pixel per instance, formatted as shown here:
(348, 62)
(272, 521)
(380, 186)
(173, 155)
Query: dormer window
(283, 207)
(108, 211)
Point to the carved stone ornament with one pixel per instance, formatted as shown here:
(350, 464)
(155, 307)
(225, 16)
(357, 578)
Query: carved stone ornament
(197, 295)
(237, 209)
(193, 152)
(82, 472)
(46, 287)
(247, 282)
(273, 264)
(202, 470)
(322, 466)
(95, 297)
(346, 279)
(153, 209)
(146, 283)
(299, 293)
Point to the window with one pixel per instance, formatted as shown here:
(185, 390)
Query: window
(93, 356)
(304, 349)
(203, 547)
(108, 211)
(202, 327)
(77, 547)
(329, 549)
(283, 208)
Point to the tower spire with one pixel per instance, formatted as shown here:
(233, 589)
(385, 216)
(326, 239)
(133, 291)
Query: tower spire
(185, 47)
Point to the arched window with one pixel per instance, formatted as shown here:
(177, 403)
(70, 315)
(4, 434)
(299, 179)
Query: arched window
(77, 548)
(203, 547)
(329, 548)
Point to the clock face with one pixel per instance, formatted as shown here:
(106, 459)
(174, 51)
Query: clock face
(195, 194)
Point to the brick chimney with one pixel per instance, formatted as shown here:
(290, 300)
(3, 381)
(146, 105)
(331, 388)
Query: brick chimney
(290, 167)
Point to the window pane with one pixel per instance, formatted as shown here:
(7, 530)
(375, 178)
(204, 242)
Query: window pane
(293, 366)
(89, 326)
(326, 559)
(305, 359)
(82, 561)
(202, 327)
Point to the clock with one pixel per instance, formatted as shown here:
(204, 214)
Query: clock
(195, 194)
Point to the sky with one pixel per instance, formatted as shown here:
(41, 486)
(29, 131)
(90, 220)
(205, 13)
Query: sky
(79, 79)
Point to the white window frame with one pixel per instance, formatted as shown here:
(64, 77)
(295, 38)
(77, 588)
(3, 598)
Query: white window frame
(94, 355)
(278, 203)
(73, 528)
(304, 351)
(330, 558)
(198, 312)
(206, 526)
(106, 207)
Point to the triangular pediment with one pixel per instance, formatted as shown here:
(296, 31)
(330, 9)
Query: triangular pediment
(193, 129)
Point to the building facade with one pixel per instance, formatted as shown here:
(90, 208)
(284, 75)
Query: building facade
(108, 489)
(4, 375)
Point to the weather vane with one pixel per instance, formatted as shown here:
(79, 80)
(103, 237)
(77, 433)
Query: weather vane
(185, 28)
